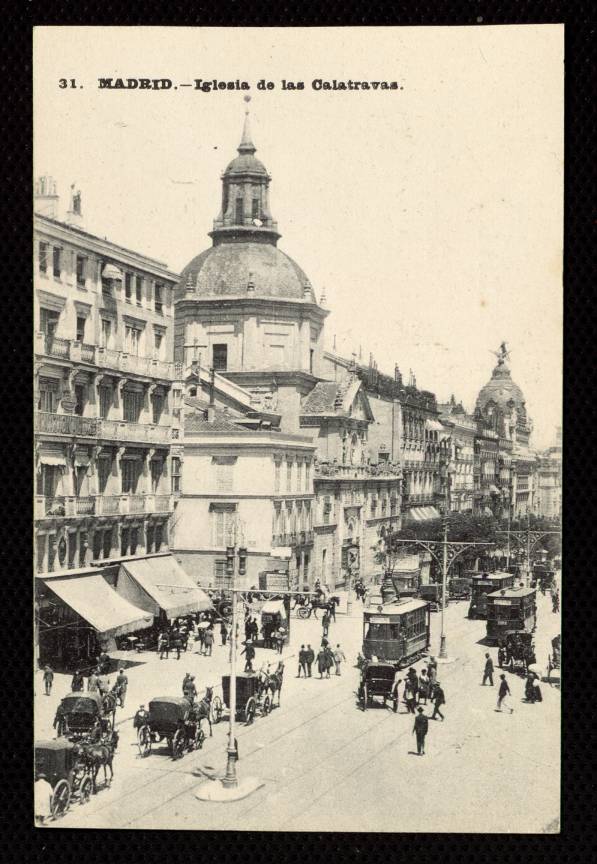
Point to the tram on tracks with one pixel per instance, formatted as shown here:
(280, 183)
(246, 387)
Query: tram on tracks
(510, 610)
(483, 584)
(397, 632)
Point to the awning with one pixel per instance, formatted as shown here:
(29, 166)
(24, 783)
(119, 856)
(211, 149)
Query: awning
(270, 607)
(46, 458)
(422, 514)
(97, 603)
(435, 426)
(160, 583)
(111, 272)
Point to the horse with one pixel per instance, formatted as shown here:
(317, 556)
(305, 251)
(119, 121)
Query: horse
(99, 754)
(272, 681)
(202, 709)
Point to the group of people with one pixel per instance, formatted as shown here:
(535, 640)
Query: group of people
(327, 659)
(417, 689)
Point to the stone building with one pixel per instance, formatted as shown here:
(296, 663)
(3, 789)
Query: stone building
(105, 400)
(462, 432)
(548, 479)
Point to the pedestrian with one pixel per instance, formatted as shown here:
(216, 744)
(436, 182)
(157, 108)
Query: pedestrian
(329, 659)
(249, 653)
(537, 695)
(324, 642)
(280, 638)
(223, 630)
(76, 685)
(325, 624)
(439, 699)
(332, 609)
(488, 672)
(504, 695)
(189, 689)
(502, 655)
(122, 682)
(302, 662)
(423, 687)
(42, 795)
(397, 690)
(309, 659)
(322, 663)
(185, 681)
(410, 695)
(92, 682)
(420, 729)
(208, 641)
(48, 679)
(339, 658)
(103, 684)
(163, 645)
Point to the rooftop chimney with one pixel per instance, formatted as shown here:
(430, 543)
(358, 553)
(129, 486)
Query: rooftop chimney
(46, 200)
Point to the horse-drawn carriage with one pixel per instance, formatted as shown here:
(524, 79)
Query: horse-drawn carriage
(308, 604)
(517, 651)
(553, 659)
(65, 771)
(176, 719)
(255, 691)
(79, 713)
(377, 681)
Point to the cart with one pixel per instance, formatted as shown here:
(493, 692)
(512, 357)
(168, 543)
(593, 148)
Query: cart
(250, 697)
(377, 682)
(175, 720)
(519, 651)
(78, 713)
(64, 768)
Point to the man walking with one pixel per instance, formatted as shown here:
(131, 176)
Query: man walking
(439, 699)
(76, 685)
(223, 631)
(325, 624)
(488, 673)
(92, 682)
(420, 729)
(48, 679)
(302, 664)
(410, 694)
(208, 641)
(339, 658)
(309, 659)
(504, 695)
(122, 683)
(164, 645)
(249, 653)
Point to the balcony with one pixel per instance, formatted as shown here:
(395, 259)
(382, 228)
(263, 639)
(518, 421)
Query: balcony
(66, 424)
(293, 538)
(333, 471)
(105, 358)
(69, 506)
(145, 433)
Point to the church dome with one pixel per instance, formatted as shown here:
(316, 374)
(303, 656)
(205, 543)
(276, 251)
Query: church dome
(251, 269)
(501, 392)
(245, 163)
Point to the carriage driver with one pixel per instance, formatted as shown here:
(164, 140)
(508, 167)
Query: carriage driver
(140, 718)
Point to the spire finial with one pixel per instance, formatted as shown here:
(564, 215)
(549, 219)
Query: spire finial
(246, 143)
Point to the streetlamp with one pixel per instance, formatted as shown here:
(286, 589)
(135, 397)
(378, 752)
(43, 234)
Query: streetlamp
(229, 788)
(450, 471)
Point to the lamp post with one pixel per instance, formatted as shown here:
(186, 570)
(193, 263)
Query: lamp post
(228, 787)
(450, 470)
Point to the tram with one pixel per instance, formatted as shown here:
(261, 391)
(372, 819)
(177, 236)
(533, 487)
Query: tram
(483, 584)
(510, 610)
(397, 632)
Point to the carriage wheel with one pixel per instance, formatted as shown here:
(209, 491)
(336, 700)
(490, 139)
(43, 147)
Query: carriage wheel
(144, 740)
(60, 799)
(250, 709)
(199, 738)
(178, 744)
(267, 706)
(217, 709)
(85, 790)
(303, 613)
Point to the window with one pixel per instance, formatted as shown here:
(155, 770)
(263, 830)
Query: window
(156, 474)
(221, 578)
(79, 475)
(311, 355)
(106, 333)
(132, 340)
(81, 266)
(57, 261)
(80, 395)
(107, 287)
(48, 395)
(104, 468)
(107, 542)
(105, 402)
(48, 321)
(131, 469)
(51, 551)
(175, 474)
(240, 211)
(128, 287)
(81, 321)
(40, 545)
(308, 476)
(125, 539)
(47, 480)
(139, 290)
(277, 470)
(158, 297)
(134, 539)
(223, 521)
(132, 403)
(159, 536)
(224, 472)
(299, 475)
(98, 537)
(255, 208)
(220, 357)
(157, 405)
(158, 343)
(43, 257)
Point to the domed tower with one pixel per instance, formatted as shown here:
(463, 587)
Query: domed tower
(501, 402)
(242, 306)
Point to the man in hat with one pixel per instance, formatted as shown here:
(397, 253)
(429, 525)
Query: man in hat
(122, 683)
(488, 672)
(339, 658)
(141, 717)
(208, 641)
(48, 679)
(249, 653)
(302, 662)
(189, 689)
(42, 793)
(504, 695)
(438, 700)
(309, 659)
(420, 729)
(76, 685)
(92, 682)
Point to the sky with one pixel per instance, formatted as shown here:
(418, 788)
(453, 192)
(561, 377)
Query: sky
(432, 215)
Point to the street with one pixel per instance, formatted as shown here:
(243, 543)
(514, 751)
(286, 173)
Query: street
(327, 765)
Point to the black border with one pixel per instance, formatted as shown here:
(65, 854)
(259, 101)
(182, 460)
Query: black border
(15, 326)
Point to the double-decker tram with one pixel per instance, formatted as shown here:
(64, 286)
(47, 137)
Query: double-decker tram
(483, 584)
(397, 632)
(510, 610)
